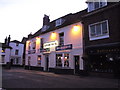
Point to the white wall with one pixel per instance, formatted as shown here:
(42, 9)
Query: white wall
(70, 37)
(20, 47)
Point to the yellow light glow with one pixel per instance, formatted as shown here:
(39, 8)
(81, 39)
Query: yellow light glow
(76, 28)
(37, 42)
(2, 51)
(53, 36)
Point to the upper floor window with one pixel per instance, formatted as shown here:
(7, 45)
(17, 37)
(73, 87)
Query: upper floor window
(96, 4)
(45, 27)
(99, 30)
(34, 45)
(41, 41)
(61, 38)
(17, 44)
(59, 22)
(16, 52)
(29, 45)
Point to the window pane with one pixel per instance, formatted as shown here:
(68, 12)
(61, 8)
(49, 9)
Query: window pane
(61, 39)
(39, 59)
(66, 60)
(96, 5)
(90, 6)
(92, 30)
(103, 3)
(104, 28)
(59, 60)
(98, 29)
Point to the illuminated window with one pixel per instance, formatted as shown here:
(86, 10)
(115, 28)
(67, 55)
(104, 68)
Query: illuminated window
(3, 50)
(39, 60)
(61, 38)
(59, 60)
(66, 60)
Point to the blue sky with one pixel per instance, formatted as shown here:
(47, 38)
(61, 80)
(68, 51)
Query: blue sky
(21, 17)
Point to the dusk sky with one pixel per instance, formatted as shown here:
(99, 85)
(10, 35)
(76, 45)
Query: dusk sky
(22, 17)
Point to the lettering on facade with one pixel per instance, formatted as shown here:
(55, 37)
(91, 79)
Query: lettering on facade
(64, 47)
(50, 46)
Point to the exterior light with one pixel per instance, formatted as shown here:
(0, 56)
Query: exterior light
(76, 28)
(53, 36)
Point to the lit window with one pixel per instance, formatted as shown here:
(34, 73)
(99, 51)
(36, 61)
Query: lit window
(39, 60)
(59, 60)
(3, 50)
(66, 60)
(99, 30)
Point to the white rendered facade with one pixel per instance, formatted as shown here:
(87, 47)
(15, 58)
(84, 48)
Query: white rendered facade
(5, 55)
(72, 36)
(16, 53)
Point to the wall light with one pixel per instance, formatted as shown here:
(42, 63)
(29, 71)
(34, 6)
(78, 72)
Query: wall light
(53, 36)
(76, 28)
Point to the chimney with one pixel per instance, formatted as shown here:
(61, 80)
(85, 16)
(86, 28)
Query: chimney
(5, 41)
(30, 36)
(46, 20)
(9, 39)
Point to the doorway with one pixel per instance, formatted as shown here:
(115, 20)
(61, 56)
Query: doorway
(46, 62)
(76, 60)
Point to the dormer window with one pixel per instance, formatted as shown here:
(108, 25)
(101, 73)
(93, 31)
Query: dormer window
(96, 4)
(59, 22)
(45, 27)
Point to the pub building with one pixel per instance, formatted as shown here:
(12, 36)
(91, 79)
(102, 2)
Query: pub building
(102, 37)
(57, 46)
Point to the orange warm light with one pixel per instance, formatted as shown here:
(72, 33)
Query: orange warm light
(76, 28)
(53, 36)
(37, 42)
(27, 44)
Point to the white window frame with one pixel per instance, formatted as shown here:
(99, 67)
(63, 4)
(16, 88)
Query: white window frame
(102, 36)
(59, 22)
(93, 5)
(45, 27)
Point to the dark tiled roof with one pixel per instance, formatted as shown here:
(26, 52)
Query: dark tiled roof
(69, 19)
(16, 41)
(3, 45)
(24, 39)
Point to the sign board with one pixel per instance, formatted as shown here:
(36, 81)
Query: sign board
(64, 47)
(50, 45)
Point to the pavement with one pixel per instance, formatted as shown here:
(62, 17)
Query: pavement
(21, 78)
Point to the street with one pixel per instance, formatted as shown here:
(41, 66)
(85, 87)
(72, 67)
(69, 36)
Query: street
(20, 78)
